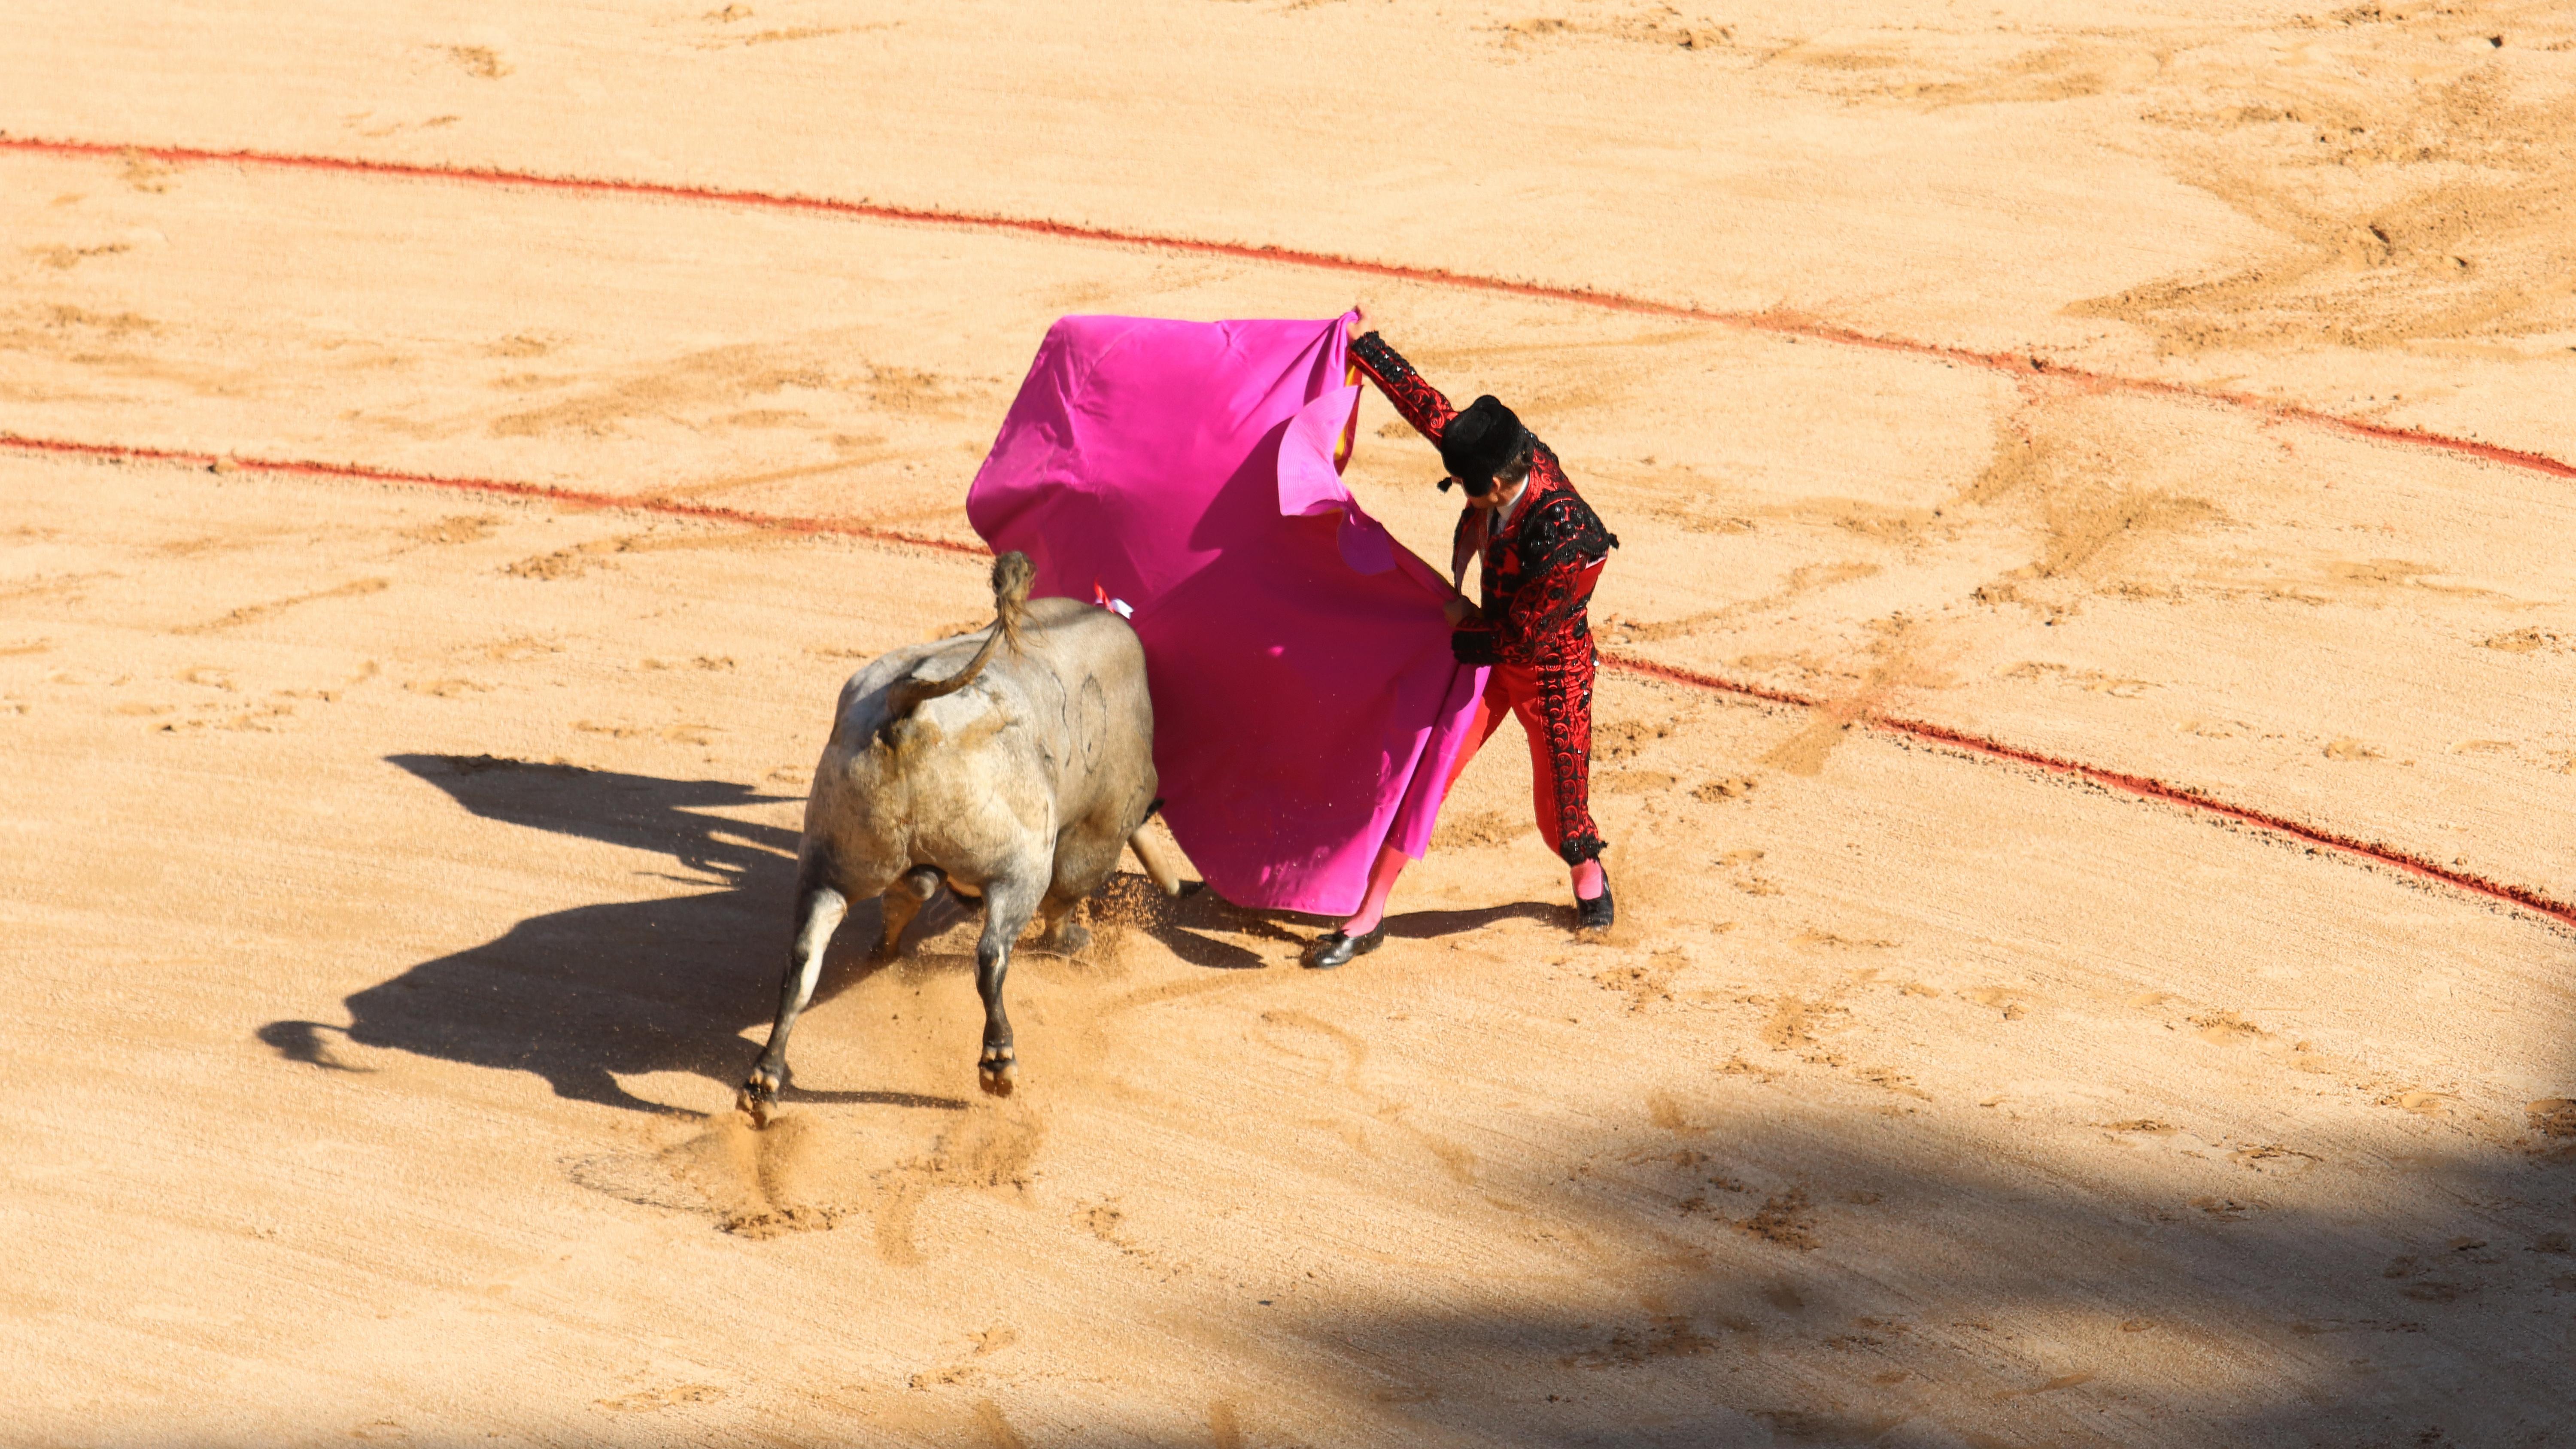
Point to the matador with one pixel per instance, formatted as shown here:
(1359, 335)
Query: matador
(1539, 549)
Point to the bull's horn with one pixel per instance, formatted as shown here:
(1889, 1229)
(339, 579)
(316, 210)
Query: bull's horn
(1157, 865)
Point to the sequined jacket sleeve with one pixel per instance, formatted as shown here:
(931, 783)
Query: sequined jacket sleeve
(1421, 404)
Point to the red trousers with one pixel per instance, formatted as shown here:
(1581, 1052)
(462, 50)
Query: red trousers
(1554, 701)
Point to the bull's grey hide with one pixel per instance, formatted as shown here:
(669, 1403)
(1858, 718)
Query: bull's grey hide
(1011, 764)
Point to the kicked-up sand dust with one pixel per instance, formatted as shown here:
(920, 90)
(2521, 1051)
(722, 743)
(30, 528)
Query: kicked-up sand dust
(396, 876)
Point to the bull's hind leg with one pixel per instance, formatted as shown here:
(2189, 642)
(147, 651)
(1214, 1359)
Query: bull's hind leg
(819, 909)
(1008, 905)
(1061, 934)
(1085, 859)
(903, 900)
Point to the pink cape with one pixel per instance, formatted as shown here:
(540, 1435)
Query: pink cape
(1306, 706)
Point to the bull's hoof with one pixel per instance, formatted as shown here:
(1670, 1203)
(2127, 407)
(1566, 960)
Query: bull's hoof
(1070, 939)
(997, 1073)
(757, 1098)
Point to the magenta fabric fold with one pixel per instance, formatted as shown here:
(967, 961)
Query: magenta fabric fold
(1306, 707)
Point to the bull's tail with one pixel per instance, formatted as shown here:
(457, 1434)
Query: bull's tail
(1012, 574)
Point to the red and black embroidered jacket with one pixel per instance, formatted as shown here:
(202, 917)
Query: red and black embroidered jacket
(1537, 574)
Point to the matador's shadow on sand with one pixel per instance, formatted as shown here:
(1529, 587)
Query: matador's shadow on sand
(586, 995)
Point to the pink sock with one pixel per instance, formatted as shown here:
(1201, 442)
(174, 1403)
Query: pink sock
(1590, 880)
(1390, 864)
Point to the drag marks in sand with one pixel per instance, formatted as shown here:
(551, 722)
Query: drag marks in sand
(2432, 210)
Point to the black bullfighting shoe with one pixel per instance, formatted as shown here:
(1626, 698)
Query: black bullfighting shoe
(1332, 948)
(1597, 913)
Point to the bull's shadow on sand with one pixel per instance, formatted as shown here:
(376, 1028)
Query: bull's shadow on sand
(586, 995)
(582, 996)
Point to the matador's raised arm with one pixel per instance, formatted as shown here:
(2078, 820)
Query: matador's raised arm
(1421, 404)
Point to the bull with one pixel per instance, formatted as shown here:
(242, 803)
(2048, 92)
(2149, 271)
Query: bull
(1011, 770)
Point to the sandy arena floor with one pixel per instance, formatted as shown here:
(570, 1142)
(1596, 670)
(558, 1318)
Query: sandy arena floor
(395, 875)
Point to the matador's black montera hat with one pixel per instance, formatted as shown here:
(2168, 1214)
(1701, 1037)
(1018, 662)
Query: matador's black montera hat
(1480, 442)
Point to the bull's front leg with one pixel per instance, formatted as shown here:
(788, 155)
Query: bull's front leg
(819, 911)
(1007, 909)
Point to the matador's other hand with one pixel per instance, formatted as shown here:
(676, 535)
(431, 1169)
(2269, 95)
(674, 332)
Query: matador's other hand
(1456, 610)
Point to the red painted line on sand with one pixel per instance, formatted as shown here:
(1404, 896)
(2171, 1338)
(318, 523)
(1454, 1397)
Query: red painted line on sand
(2021, 364)
(2140, 785)
(1772, 322)
(538, 492)
(1696, 680)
